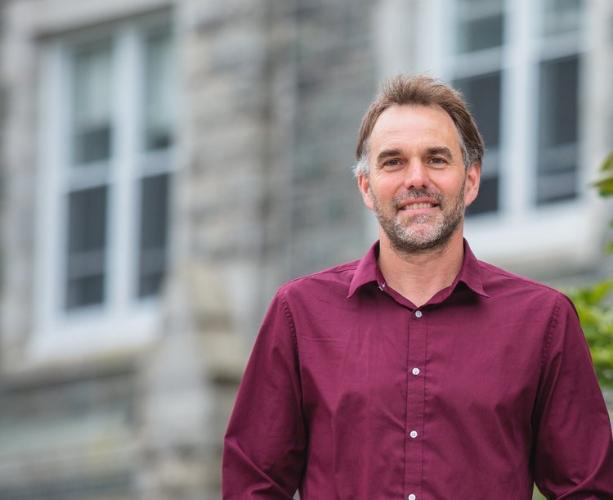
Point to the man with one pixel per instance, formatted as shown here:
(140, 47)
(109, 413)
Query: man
(419, 372)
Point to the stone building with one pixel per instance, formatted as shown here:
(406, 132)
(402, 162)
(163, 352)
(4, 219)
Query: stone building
(165, 165)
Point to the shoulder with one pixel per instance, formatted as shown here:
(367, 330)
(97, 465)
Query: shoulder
(328, 284)
(516, 289)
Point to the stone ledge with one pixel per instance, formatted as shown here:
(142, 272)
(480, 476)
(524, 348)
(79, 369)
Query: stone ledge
(226, 355)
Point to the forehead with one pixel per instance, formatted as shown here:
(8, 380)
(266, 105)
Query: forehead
(411, 125)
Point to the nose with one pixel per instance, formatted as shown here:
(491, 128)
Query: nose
(416, 175)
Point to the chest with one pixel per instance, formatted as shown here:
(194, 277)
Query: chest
(453, 361)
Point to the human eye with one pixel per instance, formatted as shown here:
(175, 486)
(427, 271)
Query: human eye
(438, 161)
(391, 163)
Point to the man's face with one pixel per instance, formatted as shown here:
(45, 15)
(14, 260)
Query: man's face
(417, 184)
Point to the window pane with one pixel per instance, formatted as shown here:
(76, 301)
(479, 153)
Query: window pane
(487, 200)
(158, 91)
(559, 86)
(153, 234)
(85, 291)
(91, 90)
(562, 16)
(482, 93)
(482, 33)
(558, 130)
(480, 25)
(86, 247)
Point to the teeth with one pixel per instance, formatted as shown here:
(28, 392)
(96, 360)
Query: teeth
(419, 205)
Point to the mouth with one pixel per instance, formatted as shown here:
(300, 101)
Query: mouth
(418, 205)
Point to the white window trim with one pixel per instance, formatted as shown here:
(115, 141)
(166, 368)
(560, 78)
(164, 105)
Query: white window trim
(515, 234)
(122, 322)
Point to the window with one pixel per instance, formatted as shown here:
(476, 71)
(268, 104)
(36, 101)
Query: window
(532, 85)
(492, 58)
(106, 161)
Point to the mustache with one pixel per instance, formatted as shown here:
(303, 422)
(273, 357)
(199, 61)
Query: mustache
(414, 194)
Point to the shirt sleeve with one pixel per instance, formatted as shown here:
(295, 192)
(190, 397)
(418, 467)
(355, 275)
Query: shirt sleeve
(573, 457)
(264, 445)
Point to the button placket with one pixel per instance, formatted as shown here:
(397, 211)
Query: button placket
(418, 328)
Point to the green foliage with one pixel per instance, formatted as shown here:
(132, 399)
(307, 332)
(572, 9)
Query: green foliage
(595, 305)
(605, 183)
(596, 315)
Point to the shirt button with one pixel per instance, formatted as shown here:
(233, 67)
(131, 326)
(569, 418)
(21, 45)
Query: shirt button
(413, 434)
(418, 314)
(411, 497)
(415, 371)
(381, 286)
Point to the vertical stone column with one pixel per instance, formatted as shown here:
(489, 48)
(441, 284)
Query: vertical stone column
(235, 124)
(18, 201)
(182, 405)
(229, 166)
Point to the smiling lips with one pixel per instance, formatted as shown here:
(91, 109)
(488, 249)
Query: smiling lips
(417, 205)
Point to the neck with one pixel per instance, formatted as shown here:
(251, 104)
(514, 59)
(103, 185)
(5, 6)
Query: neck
(418, 276)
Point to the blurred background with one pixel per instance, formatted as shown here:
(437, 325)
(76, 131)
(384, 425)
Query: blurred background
(165, 165)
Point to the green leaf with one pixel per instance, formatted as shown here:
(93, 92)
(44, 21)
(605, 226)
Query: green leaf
(607, 165)
(589, 297)
(605, 186)
(601, 290)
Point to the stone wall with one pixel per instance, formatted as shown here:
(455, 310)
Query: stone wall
(336, 79)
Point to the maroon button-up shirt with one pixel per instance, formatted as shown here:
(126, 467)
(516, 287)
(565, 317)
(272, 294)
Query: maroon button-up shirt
(352, 392)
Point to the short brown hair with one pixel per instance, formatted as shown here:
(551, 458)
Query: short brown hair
(424, 91)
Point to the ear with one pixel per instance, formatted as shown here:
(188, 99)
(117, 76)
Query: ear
(364, 187)
(471, 186)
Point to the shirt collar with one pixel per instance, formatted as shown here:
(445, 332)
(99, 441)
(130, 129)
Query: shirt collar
(368, 271)
(470, 272)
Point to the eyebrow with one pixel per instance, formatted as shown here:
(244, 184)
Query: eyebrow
(388, 153)
(442, 150)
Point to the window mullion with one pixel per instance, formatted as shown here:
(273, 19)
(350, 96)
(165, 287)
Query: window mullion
(124, 170)
(53, 146)
(520, 128)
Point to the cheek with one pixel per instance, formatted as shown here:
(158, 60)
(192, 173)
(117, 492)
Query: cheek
(389, 187)
(450, 186)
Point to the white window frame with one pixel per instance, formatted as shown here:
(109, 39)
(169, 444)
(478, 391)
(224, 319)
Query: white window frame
(520, 234)
(123, 321)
